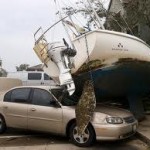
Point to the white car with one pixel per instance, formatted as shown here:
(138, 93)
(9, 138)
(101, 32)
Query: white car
(32, 78)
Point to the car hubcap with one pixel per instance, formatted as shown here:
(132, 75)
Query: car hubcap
(83, 138)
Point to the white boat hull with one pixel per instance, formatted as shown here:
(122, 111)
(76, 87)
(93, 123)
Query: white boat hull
(109, 47)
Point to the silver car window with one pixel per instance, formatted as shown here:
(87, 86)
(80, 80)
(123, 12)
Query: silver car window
(20, 95)
(42, 97)
(58, 93)
(7, 97)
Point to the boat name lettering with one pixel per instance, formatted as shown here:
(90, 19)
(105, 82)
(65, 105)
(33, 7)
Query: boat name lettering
(119, 49)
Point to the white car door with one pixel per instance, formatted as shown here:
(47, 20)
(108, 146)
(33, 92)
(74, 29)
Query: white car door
(15, 107)
(42, 114)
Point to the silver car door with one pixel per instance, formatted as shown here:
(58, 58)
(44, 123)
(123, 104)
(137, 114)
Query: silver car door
(15, 107)
(42, 115)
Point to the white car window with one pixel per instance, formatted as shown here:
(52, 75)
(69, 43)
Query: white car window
(34, 76)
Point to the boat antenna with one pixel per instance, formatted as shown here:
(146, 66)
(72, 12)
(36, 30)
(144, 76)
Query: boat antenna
(96, 15)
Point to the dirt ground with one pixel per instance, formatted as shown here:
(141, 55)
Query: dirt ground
(16, 140)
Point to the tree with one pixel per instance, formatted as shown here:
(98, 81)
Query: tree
(22, 67)
(85, 9)
(3, 72)
(136, 15)
(0, 63)
(135, 18)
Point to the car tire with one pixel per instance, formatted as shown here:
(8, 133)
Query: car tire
(86, 140)
(2, 125)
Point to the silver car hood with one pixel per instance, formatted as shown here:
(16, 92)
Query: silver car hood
(108, 110)
(113, 111)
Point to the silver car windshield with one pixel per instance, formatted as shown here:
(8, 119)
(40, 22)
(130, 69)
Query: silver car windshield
(64, 98)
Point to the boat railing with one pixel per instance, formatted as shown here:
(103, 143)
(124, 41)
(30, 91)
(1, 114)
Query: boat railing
(42, 36)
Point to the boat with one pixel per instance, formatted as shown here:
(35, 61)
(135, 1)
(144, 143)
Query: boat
(106, 49)
(117, 63)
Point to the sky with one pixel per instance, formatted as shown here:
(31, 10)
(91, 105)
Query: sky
(19, 19)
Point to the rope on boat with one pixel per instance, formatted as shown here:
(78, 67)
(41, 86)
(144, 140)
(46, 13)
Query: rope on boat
(90, 70)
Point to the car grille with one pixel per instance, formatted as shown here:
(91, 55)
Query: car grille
(130, 119)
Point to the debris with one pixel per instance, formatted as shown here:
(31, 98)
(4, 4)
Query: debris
(85, 107)
(94, 64)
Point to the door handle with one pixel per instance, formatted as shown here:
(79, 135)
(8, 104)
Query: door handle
(33, 109)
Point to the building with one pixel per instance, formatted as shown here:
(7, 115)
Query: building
(114, 16)
(130, 16)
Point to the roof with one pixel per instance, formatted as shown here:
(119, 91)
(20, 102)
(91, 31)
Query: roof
(36, 68)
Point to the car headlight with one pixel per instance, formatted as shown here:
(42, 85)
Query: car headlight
(114, 120)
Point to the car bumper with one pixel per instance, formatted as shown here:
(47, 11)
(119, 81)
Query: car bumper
(115, 132)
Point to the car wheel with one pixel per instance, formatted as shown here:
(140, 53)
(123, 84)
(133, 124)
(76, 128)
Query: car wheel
(87, 139)
(2, 125)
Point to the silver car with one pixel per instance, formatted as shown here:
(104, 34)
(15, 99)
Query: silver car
(42, 109)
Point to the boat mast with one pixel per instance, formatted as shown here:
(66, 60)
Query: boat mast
(66, 30)
(96, 15)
